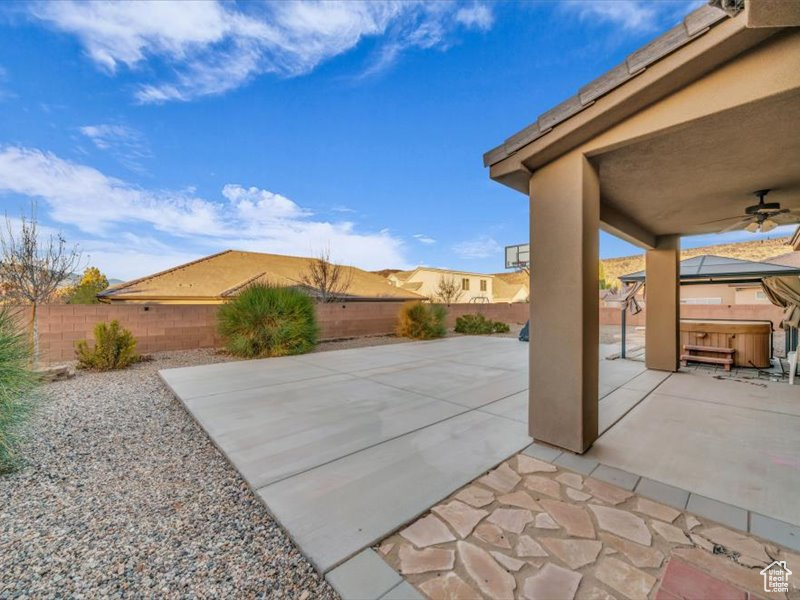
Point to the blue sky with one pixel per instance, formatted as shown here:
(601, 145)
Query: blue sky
(153, 134)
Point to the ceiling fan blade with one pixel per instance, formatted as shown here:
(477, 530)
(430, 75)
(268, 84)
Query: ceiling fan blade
(720, 220)
(736, 225)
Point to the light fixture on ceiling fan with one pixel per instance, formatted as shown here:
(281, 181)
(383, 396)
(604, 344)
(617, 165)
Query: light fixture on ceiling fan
(762, 217)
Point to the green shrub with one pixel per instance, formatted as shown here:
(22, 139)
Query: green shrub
(16, 389)
(114, 348)
(266, 321)
(420, 321)
(479, 325)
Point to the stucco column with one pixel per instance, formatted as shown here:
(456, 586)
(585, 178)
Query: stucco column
(662, 289)
(564, 335)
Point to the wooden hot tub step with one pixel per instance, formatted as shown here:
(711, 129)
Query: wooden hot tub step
(717, 349)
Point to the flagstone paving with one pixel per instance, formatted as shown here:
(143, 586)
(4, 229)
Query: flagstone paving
(519, 531)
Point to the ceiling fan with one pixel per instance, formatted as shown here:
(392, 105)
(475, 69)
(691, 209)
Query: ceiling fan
(761, 217)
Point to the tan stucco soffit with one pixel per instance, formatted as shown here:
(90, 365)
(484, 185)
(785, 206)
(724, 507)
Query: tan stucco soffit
(772, 13)
(679, 65)
(620, 225)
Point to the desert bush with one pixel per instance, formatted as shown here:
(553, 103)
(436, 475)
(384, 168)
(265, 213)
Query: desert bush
(265, 320)
(421, 321)
(479, 325)
(114, 348)
(16, 390)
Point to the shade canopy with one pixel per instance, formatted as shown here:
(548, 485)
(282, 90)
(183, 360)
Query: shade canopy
(709, 268)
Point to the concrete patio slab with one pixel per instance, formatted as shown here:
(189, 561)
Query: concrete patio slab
(335, 510)
(271, 433)
(722, 439)
(513, 407)
(470, 386)
(345, 447)
(224, 378)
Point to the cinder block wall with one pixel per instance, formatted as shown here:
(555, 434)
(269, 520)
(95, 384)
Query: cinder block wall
(162, 327)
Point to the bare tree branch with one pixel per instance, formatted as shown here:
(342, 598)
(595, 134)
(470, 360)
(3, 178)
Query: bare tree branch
(33, 266)
(328, 280)
(448, 290)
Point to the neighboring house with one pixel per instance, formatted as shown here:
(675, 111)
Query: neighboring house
(471, 287)
(512, 287)
(710, 279)
(216, 278)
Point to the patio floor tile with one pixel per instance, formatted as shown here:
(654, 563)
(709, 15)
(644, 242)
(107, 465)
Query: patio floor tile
(581, 554)
(768, 528)
(616, 477)
(364, 577)
(718, 511)
(334, 510)
(274, 432)
(404, 591)
(543, 452)
(689, 583)
(576, 462)
(513, 407)
(666, 494)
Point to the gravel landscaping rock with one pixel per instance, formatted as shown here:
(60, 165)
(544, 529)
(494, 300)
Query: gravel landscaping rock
(123, 495)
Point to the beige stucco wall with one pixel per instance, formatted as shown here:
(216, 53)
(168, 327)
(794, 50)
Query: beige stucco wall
(725, 293)
(430, 282)
(751, 295)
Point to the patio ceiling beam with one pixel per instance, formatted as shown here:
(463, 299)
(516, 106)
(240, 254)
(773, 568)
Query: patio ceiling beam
(622, 226)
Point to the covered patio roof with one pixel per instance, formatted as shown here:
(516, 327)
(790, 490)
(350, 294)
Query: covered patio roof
(654, 127)
(719, 269)
(673, 142)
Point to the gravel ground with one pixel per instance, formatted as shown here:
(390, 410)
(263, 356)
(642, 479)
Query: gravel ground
(124, 496)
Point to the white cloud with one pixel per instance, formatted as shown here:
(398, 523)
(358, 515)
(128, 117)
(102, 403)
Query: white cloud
(126, 144)
(632, 15)
(214, 47)
(106, 209)
(424, 239)
(105, 136)
(482, 247)
(477, 15)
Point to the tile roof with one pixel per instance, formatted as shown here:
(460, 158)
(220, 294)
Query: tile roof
(223, 275)
(693, 25)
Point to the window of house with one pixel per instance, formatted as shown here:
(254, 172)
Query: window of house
(701, 301)
(483, 285)
(760, 295)
(465, 284)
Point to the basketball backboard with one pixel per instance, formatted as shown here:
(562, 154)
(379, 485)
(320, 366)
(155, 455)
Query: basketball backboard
(518, 256)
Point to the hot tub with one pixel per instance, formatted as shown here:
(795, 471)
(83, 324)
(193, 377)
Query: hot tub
(751, 340)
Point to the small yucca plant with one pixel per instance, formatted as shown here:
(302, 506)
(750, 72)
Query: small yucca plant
(16, 389)
(420, 321)
(265, 320)
(114, 348)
